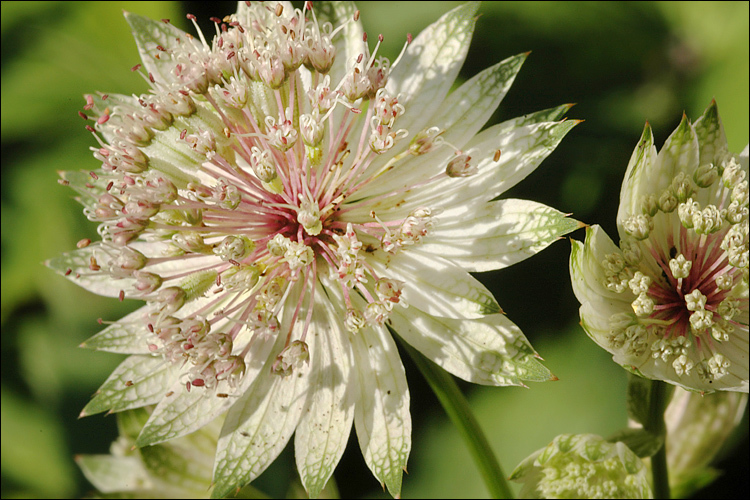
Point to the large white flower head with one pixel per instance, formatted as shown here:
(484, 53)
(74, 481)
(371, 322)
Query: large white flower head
(277, 199)
(671, 302)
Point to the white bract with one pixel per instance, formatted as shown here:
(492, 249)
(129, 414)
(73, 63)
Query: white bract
(671, 302)
(582, 466)
(277, 199)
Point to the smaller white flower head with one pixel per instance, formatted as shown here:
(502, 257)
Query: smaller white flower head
(671, 302)
(582, 466)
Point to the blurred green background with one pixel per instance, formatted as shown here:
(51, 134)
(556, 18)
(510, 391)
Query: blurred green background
(622, 62)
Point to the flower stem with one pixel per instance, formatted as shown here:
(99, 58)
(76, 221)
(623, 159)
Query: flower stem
(660, 396)
(458, 410)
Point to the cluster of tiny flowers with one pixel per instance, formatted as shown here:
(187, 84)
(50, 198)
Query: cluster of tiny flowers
(682, 262)
(265, 208)
(582, 466)
(276, 199)
(696, 292)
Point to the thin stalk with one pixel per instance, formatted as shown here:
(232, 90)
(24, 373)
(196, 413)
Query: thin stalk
(458, 410)
(660, 396)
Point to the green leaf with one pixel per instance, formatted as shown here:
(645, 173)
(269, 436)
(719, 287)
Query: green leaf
(643, 443)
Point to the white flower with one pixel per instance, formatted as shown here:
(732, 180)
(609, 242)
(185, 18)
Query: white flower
(582, 466)
(277, 199)
(671, 303)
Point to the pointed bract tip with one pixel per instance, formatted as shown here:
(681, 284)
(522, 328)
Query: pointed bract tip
(571, 104)
(553, 378)
(527, 53)
(83, 414)
(582, 224)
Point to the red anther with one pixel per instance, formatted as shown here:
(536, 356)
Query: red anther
(380, 37)
(136, 67)
(230, 55)
(184, 92)
(183, 134)
(165, 21)
(364, 36)
(150, 327)
(89, 185)
(151, 77)
(129, 383)
(308, 6)
(93, 265)
(234, 23)
(359, 59)
(497, 155)
(242, 30)
(187, 386)
(223, 28)
(104, 152)
(159, 47)
(408, 38)
(89, 101)
(94, 176)
(220, 43)
(222, 395)
(215, 20)
(356, 15)
(104, 97)
(68, 271)
(90, 128)
(199, 382)
(100, 321)
(122, 295)
(109, 186)
(169, 394)
(356, 110)
(233, 262)
(143, 103)
(279, 9)
(191, 17)
(102, 119)
(83, 115)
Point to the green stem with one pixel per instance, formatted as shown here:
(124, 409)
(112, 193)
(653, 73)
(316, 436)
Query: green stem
(458, 411)
(660, 395)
